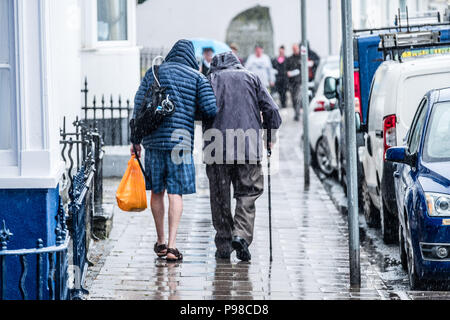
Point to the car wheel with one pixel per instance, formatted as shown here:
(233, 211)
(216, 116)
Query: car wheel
(402, 249)
(389, 224)
(415, 280)
(371, 213)
(323, 157)
(313, 158)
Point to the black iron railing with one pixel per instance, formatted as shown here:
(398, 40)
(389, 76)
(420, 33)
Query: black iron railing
(111, 118)
(83, 152)
(51, 263)
(84, 145)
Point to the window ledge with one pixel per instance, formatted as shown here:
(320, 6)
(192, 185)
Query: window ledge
(108, 49)
(32, 182)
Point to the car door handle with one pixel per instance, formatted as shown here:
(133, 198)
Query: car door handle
(379, 133)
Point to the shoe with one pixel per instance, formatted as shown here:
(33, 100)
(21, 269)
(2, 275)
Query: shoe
(174, 252)
(297, 118)
(160, 250)
(241, 247)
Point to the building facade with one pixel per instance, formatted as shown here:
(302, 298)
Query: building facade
(161, 23)
(109, 54)
(47, 47)
(381, 13)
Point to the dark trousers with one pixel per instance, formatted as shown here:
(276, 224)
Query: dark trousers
(281, 88)
(296, 98)
(248, 185)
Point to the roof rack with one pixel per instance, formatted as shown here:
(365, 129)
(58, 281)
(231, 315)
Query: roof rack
(403, 28)
(394, 45)
(398, 27)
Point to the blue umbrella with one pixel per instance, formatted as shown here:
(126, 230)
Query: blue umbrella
(217, 46)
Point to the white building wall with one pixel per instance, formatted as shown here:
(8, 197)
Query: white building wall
(110, 67)
(64, 39)
(53, 51)
(381, 13)
(160, 23)
(39, 94)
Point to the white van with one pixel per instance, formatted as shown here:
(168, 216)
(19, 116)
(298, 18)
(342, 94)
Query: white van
(397, 90)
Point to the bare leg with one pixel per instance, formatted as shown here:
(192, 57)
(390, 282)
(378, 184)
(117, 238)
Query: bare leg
(157, 205)
(175, 211)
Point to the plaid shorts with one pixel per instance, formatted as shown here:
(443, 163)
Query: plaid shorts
(165, 174)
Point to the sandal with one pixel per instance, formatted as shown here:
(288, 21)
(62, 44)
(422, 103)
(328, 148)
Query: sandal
(176, 253)
(160, 250)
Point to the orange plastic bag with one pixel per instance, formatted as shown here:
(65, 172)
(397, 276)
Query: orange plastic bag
(131, 195)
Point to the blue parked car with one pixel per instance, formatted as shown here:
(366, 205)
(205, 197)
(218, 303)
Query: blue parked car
(422, 186)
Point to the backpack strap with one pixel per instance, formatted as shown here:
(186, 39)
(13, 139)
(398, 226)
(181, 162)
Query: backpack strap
(156, 75)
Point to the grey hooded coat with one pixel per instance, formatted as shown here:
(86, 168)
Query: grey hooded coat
(241, 100)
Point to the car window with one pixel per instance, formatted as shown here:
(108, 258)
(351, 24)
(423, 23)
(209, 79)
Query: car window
(416, 116)
(417, 128)
(437, 142)
(412, 91)
(370, 99)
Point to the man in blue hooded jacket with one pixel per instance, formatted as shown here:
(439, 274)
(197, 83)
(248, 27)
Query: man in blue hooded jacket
(169, 162)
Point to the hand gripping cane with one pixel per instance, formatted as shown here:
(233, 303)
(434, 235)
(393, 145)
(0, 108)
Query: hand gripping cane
(269, 155)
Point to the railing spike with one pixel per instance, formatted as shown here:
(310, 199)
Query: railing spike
(39, 279)
(5, 235)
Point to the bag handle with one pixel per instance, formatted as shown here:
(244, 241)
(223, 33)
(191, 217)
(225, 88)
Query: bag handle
(140, 164)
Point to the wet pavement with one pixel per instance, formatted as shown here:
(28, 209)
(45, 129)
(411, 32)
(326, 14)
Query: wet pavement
(310, 247)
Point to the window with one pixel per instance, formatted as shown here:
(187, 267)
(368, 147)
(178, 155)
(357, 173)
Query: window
(437, 143)
(417, 128)
(7, 84)
(112, 20)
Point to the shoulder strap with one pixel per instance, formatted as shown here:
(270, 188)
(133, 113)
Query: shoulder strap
(147, 93)
(156, 72)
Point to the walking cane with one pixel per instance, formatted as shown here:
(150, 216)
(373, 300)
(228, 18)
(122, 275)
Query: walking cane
(269, 155)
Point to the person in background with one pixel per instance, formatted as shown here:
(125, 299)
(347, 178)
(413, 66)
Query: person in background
(293, 67)
(259, 63)
(234, 47)
(208, 54)
(281, 82)
(241, 100)
(314, 61)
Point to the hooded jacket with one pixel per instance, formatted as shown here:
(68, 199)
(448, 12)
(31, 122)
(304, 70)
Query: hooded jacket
(188, 89)
(241, 99)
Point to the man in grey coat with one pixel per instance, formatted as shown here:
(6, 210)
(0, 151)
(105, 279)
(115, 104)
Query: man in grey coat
(233, 151)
